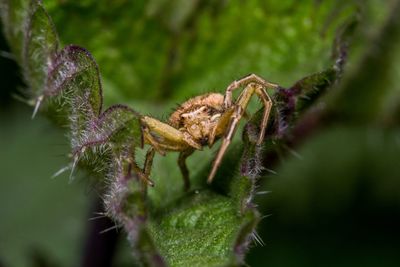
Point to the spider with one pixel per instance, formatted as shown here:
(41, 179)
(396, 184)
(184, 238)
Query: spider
(201, 121)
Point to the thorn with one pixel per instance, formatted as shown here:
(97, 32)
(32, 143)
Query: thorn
(109, 229)
(270, 171)
(7, 55)
(263, 192)
(60, 171)
(96, 217)
(73, 168)
(258, 239)
(22, 99)
(265, 216)
(293, 152)
(37, 105)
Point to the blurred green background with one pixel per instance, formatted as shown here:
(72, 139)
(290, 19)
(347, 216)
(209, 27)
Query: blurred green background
(335, 201)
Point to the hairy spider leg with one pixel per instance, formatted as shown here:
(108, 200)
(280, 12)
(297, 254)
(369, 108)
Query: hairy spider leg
(237, 111)
(171, 140)
(183, 167)
(148, 161)
(251, 78)
(263, 95)
(145, 172)
(234, 119)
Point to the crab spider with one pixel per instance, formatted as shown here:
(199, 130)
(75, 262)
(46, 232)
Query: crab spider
(201, 121)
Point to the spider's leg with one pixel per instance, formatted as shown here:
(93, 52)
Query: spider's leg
(141, 173)
(190, 141)
(184, 170)
(152, 141)
(251, 78)
(259, 90)
(148, 163)
(233, 123)
(170, 137)
(221, 125)
(263, 95)
(237, 114)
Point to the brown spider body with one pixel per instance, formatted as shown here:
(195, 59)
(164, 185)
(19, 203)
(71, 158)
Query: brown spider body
(198, 116)
(201, 121)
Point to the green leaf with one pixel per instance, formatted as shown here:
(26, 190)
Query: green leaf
(215, 223)
(40, 44)
(68, 82)
(170, 50)
(13, 14)
(201, 230)
(208, 226)
(33, 38)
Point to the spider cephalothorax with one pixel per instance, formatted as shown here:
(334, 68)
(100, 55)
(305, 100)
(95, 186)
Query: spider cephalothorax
(201, 121)
(198, 116)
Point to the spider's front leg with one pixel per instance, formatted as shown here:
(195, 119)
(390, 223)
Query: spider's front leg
(251, 78)
(163, 137)
(144, 173)
(261, 92)
(235, 113)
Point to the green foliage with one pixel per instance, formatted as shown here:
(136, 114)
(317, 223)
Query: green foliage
(104, 142)
(190, 233)
(169, 50)
(165, 51)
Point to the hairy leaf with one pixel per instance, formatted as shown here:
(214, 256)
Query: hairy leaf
(68, 82)
(210, 225)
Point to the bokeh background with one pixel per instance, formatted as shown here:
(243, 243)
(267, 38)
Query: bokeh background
(333, 201)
